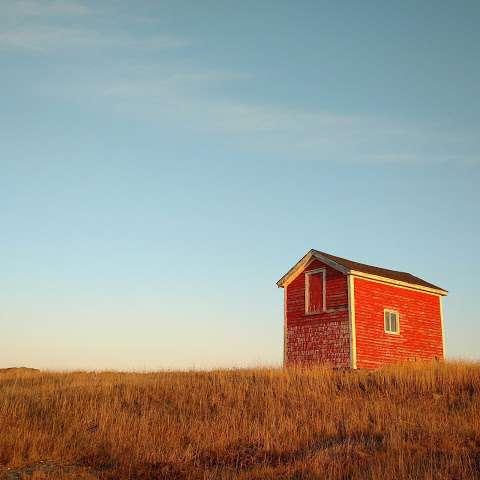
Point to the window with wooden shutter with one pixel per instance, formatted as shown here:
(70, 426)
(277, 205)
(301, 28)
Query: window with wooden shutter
(315, 298)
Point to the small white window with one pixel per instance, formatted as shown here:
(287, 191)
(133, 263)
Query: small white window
(392, 324)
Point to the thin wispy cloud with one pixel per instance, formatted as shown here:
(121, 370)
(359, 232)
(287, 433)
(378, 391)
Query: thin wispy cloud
(45, 8)
(192, 98)
(53, 39)
(187, 100)
(55, 26)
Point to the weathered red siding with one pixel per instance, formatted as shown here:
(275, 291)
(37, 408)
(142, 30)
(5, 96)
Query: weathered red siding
(323, 337)
(420, 334)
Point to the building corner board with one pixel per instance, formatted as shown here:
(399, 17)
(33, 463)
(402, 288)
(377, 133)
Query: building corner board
(442, 326)
(285, 359)
(351, 317)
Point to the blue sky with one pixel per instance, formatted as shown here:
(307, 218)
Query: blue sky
(164, 163)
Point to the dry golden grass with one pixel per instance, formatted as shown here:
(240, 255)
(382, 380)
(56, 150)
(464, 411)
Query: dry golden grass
(413, 421)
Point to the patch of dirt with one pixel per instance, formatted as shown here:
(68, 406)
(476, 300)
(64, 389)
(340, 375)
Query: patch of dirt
(46, 470)
(19, 370)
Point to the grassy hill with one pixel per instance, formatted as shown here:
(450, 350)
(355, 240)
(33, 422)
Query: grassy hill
(413, 421)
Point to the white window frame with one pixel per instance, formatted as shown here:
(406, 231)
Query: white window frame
(307, 290)
(397, 313)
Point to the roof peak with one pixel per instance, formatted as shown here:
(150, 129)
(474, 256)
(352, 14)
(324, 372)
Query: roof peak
(313, 250)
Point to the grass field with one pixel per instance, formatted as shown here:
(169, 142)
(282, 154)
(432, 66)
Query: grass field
(412, 421)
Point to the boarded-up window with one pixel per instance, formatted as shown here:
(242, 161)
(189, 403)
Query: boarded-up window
(315, 291)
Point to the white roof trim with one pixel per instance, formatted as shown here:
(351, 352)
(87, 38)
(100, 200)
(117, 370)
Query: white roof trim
(398, 283)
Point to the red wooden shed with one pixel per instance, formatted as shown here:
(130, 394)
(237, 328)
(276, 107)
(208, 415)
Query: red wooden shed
(351, 315)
